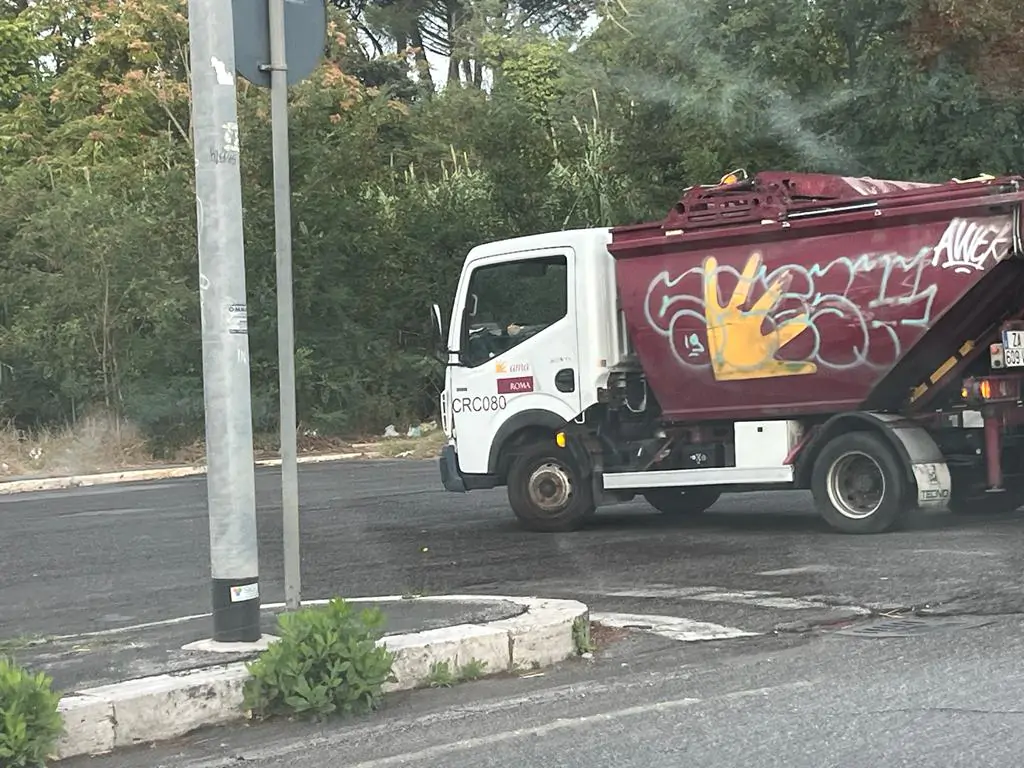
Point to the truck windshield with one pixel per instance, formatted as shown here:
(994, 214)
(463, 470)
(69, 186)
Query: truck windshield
(511, 302)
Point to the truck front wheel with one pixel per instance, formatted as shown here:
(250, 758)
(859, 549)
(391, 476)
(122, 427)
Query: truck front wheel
(858, 483)
(680, 502)
(547, 491)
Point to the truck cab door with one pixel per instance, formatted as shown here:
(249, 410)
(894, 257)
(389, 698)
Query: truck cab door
(516, 336)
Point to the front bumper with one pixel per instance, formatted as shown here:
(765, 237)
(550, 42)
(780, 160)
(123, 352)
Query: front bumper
(451, 478)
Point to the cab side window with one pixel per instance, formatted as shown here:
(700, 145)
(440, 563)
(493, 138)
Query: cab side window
(511, 302)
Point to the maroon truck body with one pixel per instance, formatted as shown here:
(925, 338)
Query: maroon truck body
(797, 294)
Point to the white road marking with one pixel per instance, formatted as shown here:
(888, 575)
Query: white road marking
(674, 627)
(757, 597)
(659, 591)
(562, 724)
(111, 512)
(968, 552)
(798, 570)
(763, 600)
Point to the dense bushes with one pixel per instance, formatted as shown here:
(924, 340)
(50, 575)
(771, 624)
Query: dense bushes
(394, 183)
(29, 721)
(325, 661)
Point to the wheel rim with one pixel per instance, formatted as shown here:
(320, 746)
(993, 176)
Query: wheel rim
(856, 485)
(550, 487)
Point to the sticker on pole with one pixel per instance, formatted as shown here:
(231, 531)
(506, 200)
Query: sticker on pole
(230, 132)
(244, 592)
(238, 319)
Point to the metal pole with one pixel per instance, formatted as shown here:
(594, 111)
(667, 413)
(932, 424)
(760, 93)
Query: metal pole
(285, 313)
(231, 493)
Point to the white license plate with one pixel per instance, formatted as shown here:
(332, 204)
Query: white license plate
(1013, 349)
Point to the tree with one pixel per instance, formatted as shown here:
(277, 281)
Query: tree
(394, 180)
(455, 29)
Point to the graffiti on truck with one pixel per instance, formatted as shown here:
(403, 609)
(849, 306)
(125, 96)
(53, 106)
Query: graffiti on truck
(969, 246)
(753, 322)
(738, 346)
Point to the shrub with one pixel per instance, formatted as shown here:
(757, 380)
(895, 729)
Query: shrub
(326, 661)
(29, 721)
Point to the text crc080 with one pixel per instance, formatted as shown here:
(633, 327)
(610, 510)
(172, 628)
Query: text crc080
(479, 404)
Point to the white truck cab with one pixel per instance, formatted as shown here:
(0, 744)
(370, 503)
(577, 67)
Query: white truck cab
(530, 344)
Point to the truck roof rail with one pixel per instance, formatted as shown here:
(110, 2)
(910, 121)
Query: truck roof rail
(778, 196)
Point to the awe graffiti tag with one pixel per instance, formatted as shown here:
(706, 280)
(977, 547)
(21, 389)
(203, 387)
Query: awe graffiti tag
(795, 319)
(969, 246)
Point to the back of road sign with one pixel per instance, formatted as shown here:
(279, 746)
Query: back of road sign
(305, 32)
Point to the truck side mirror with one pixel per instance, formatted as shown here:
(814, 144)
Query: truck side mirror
(440, 338)
(438, 324)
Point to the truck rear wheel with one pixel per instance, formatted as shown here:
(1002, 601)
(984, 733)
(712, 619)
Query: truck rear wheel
(859, 484)
(547, 491)
(680, 502)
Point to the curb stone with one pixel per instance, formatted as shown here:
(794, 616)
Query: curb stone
(137, 475)
(145, 710)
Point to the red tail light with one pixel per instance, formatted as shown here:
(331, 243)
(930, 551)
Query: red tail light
(991, 389)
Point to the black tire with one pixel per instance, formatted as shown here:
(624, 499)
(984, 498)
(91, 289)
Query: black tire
(546, 472)
(682, 502)
(865, 457)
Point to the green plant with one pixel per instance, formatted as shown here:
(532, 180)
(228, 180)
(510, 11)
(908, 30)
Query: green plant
(472, 670)
(581, 636)
(326, 661)
(440, 675)
(29, 721)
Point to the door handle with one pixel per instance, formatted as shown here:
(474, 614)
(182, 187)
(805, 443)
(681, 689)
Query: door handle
(565, 380)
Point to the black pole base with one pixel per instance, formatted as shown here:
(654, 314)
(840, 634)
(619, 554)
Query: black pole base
(236, 610)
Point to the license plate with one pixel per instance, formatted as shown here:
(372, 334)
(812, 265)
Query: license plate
(1013, 349)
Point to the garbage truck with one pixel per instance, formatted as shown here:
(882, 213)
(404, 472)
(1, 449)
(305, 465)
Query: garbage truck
(858, 338)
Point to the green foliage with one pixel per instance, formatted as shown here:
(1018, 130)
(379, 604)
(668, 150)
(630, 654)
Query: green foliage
(394, 180)
(581, 636)
(29, 721)
(441, 674)
(473, 669)
(326, 661)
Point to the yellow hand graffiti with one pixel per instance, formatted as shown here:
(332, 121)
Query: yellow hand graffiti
(738, 348)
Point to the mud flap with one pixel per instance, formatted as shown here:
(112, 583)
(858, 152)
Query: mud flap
(933, 484)
(922, 456)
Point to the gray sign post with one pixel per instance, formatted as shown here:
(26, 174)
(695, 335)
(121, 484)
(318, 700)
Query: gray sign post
(281, 42)
(285, 309)
(229, 457)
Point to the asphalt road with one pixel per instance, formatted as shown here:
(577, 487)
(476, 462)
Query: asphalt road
(93, 558)
(101, 557)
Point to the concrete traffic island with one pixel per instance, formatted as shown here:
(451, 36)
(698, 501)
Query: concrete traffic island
(158, 681)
